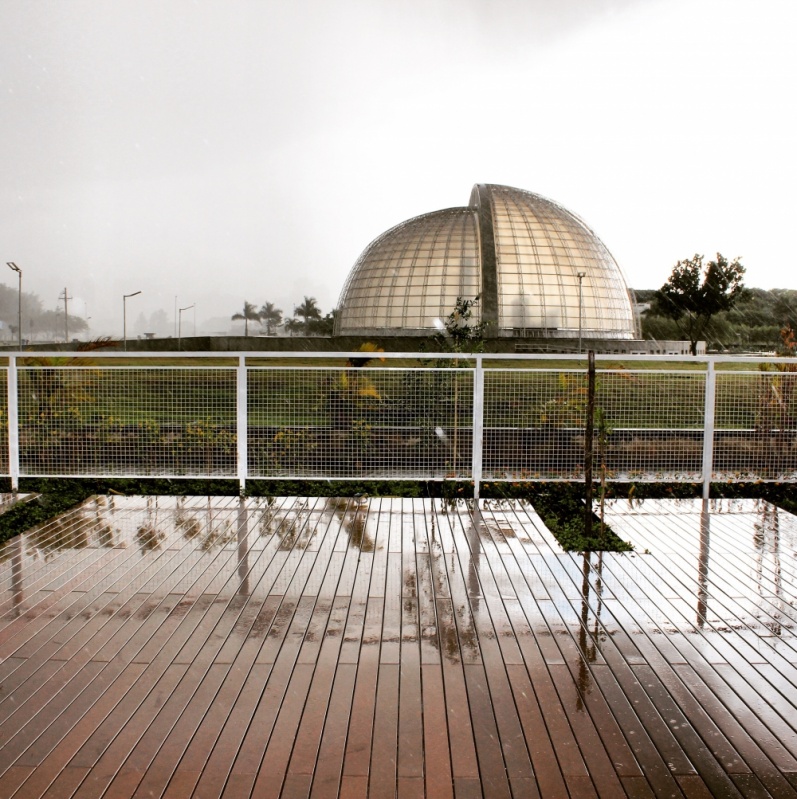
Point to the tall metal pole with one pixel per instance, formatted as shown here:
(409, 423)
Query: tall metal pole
(581, 276)
(124, 316)
(708, 428)
(478, 427)
(241, 424)
(13, 423)
(66, 315)
(180, 326)
(589, 433)
(12, 265)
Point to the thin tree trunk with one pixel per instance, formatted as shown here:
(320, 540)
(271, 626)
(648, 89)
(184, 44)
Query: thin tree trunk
(589, 433)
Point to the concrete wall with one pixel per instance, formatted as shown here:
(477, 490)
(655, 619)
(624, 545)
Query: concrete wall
(388, 343)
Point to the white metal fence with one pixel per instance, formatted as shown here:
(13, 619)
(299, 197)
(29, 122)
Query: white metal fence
(317, 416)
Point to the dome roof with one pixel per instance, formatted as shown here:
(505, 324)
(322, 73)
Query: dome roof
(527, 257)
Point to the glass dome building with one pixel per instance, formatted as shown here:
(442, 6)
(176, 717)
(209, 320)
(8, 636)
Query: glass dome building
(538, 269)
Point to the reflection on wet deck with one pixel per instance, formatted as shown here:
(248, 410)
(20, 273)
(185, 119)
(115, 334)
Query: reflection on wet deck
(323, 647)
(9, 500)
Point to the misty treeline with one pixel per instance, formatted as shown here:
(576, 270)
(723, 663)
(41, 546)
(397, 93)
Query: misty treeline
(38, 323)
(754, 322)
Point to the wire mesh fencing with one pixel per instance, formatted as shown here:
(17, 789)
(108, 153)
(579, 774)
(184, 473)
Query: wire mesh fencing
(4, 459)
(127, 421)
(360, 422)
(755, 431)
(648, 425)
(442, 420)
(533, 424)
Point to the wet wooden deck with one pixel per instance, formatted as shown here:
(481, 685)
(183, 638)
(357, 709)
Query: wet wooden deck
(316, 647)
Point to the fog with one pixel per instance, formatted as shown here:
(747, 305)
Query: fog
(208, 153)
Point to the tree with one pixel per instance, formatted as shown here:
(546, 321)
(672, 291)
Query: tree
(785, 310)
(459, 333)
(32, 310)
(159, 323)
(271, 316)
(308, 312)
(693, 294)
(248, 314)
(293, 326)
(754, 323)
(323, 327)
(51, 323)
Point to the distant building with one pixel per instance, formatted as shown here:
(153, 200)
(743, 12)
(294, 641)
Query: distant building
(540, 271)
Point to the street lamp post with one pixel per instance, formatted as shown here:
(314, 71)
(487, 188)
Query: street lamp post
(66, 299)
(180, 326)
(581, 276)
(12, 265)
(124, 315)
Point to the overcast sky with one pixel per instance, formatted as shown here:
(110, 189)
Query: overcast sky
(250, 150)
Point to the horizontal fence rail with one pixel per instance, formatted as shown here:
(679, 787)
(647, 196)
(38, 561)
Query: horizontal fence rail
(361, 415)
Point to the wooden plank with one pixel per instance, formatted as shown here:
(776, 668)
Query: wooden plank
(541, 749)
(384, 749)
(329, 765)
(585, 729)
(278, 753)
(390, 650)
(14, 777)
(309, 733)
(255, 742)
(462, 741)
(738, 753)
(492, 768)
(358, 745)
(62, 748)
(360, 588)
(437, 756)
(647, 754)
(410, 709)
(211, 780)
(751, 712)
(107, 749)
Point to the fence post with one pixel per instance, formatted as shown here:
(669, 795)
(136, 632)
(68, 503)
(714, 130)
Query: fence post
(13, 423)
(708, 428)
(478, 425)
(241, 423)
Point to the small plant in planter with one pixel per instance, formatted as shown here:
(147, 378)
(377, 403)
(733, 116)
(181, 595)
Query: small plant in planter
(206, 445)
(290, 448)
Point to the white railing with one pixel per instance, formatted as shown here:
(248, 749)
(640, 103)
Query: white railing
(404, 415)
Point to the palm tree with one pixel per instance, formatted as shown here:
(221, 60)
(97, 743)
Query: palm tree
(271, 316)
(249, 313)
(293, 326)
(308, 311)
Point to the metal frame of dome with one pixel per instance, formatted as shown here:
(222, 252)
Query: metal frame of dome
(539, 269)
